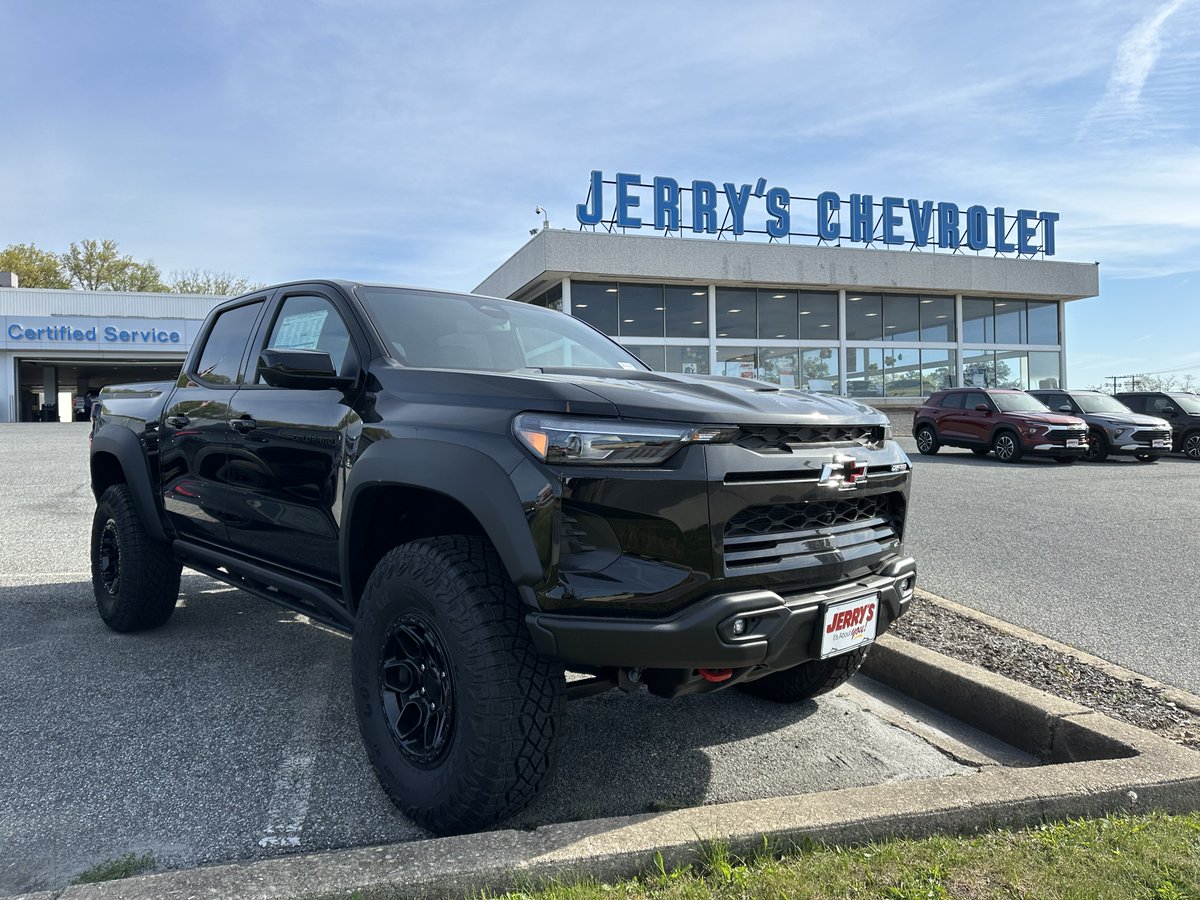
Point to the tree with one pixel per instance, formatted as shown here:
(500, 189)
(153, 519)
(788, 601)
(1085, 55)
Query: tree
(99, 266)
(203, 281)
(35, 268)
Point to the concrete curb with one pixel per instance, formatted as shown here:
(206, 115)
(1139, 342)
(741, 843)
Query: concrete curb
(1093, 765)
(1178, 696)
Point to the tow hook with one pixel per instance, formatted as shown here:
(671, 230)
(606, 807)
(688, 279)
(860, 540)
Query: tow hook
(716, 675)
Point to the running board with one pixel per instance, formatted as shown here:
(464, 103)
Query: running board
(270, 584)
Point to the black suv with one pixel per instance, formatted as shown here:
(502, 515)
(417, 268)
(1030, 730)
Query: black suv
(485, 493)
(1113, 427)
(1009, 422)
(1180, 408)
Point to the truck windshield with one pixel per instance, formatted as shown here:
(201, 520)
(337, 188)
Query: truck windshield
(431, 330)
(1189, 403)
(1100, 403)
(1019, 403)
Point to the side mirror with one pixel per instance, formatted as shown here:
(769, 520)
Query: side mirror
(1066, 407)
(304, 369)
(982, 407)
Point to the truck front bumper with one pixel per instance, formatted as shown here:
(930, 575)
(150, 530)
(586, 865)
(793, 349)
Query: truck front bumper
(776, 631)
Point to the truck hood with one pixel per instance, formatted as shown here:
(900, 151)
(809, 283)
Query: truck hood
(712, 399)
(698, 399)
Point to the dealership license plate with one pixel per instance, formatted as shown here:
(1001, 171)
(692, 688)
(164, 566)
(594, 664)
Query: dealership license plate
(849, 624)
(1072, 442)
(1161, 443)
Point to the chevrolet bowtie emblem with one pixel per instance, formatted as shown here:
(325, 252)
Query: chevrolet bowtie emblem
(845, 473)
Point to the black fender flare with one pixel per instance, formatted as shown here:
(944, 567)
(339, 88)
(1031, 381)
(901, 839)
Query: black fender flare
(124, 446)
(468, 476)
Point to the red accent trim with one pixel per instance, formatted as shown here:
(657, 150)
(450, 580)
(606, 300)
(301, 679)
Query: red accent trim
(716, 675)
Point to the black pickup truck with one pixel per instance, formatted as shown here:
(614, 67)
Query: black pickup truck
(487, 494)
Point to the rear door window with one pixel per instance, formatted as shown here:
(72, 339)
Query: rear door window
(952, 401)
(220, 359)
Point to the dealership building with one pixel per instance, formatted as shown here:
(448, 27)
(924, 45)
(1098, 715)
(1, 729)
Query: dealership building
(884, 299)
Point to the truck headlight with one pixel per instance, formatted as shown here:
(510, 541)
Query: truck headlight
(610, 442)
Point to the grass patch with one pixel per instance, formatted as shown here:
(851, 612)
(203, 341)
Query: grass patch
(122, 867)
(1152, 857)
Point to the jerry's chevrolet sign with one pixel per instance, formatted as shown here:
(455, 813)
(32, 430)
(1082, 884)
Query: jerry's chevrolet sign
(626, 201)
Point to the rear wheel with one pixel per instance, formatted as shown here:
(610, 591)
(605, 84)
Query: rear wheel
(1191, 445)
(807, 680)
(927, 440)
(1097, 448)
(134, 577)
(459, 713)
(1007, 447)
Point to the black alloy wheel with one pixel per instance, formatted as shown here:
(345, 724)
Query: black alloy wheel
(416, 688)
(109, 561)
(1191, 445)
(1097, 448)
(1007, 447)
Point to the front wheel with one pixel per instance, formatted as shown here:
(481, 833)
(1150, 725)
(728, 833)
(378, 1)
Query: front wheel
(1191, 445)
(459, 714)
(1097, 448)
(807, 680)
(135, 578)
(1007, 447)
(927, 440)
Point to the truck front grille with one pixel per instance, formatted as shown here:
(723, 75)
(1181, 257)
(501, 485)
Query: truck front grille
(794, 535)
(780, 438)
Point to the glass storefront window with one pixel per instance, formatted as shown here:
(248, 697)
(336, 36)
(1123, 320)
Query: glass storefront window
(1012, 369)
(642, 310)
(864, 372)
(687, 312)
(818, 315)
(596, 304)
(864, 318)
(979, 368)
(901, 318)
(737, 312)
(736, 362)
(937, 319)
(777, 315)
(780, 366)
(552, 299)
(688, 360)
(1010, 321)
(1043, 323)
(938, 370)
(1043, 368)
(652, 355)
(902, 372)
(819, 370)
(979, 327)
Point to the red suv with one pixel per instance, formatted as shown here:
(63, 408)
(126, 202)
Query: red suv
(1010, 423)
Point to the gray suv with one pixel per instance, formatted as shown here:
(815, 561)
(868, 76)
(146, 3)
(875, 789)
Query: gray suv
(1180, 408)
(1113, 427)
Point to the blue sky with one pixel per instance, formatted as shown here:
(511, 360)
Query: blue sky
(410, 142)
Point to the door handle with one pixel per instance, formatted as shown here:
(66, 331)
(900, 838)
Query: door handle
(244, 424)
(178, 421)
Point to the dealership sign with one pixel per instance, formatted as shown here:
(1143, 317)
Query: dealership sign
(87, 333)
(662, 204)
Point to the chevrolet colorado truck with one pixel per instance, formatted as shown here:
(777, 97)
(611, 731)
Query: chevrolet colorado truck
(486, 495)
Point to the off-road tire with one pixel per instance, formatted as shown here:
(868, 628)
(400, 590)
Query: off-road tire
(807, 680)
(1007, 447)
(505, 701)
(927, 440)
(1097, 450)
(135, 578)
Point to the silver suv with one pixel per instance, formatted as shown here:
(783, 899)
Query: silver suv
(1113, 427)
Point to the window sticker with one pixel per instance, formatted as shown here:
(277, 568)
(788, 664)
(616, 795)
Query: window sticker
(300, 331)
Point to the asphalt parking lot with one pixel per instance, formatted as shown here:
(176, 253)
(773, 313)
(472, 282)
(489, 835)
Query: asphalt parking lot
(1101, 556)
(227, 734)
